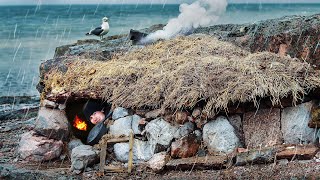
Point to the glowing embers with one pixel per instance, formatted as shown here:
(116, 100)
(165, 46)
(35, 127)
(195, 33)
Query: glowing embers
(80, 124)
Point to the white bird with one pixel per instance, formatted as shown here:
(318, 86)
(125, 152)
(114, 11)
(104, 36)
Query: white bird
(101, 30)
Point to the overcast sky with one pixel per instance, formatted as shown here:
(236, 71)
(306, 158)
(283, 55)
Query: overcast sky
(17, 2)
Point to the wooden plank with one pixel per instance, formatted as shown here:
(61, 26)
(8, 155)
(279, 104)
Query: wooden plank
(103, 155)
(118, 140)
(130, 159)
(115, 169)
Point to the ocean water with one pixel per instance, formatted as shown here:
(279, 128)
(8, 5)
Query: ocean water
(29, 34)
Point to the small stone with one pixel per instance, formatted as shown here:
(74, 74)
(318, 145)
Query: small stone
(119, 112)
(76, 172)
(158, 161)
(198, 134)
(181, 117)
(62, 106)
(196, 113)
(283, 162)
(185, 147)
(200, 122)
(201, 153)
(49, 104)
(153, 114)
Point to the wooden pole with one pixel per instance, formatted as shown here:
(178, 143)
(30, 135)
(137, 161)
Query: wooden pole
(130, 159)
(103, 155)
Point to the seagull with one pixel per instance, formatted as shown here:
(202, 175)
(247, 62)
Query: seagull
(101, 30)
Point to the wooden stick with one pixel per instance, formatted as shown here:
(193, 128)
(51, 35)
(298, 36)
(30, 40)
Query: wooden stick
(118, 140)
(130, 159)
(114, 169)
(103, 155)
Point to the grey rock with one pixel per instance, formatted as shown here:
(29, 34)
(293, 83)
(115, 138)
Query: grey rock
(283, 162)
(119, 112)
(294, 124)
(160, 132)
(255, 157)
(142, 151)
(52, 123)
(74, 143)
(49, 104)
(198, 134)
(135, 124)
(184, 130)
(83, 156)
(38, 148)
(121, 126)
(219, 136)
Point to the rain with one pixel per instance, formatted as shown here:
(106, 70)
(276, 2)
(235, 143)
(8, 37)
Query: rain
(32, 30)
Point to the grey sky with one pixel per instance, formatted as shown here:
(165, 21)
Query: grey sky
(17, 2)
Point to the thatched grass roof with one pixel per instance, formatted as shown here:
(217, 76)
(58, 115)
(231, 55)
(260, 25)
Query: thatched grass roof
(180, 72)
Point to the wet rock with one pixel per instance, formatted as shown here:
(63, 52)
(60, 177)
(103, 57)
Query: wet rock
(158, 161)
(135, 124)
(121, 126)
(185, 147)
(52, 123)
(181, 117)
(119, 112)
(73, 144)
(184, 130)
(49, 104)
(160, 132)
(259, 156)
(38, 148)
(294, 124)
(262, 128)
(82, 157)
(142, 151)
(219, 136)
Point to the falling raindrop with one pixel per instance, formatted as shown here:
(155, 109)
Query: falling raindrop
(15, 30)
(15, 54)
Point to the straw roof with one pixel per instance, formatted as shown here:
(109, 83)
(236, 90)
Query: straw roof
(179, 73)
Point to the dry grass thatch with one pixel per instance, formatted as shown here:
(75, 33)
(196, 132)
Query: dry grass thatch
(179, 73)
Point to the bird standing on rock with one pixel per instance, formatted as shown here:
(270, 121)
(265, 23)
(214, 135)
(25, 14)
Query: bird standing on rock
(101, 30)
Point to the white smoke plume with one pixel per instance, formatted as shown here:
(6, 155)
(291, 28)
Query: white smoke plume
(200, 13)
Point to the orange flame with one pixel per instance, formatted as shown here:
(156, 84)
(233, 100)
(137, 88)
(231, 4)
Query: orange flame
(80, 124)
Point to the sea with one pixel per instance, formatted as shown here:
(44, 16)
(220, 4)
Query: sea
(30, 34)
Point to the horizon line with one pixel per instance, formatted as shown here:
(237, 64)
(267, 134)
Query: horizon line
(48, 4)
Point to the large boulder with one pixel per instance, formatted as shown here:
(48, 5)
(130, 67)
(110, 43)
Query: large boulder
(219, 136)
(33, 147)
(52, 123)
(262, 128)
(294, 124)
(83, 156)
(160, 132)
(142, 151)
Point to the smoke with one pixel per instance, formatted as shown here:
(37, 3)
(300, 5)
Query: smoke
(198, 14)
